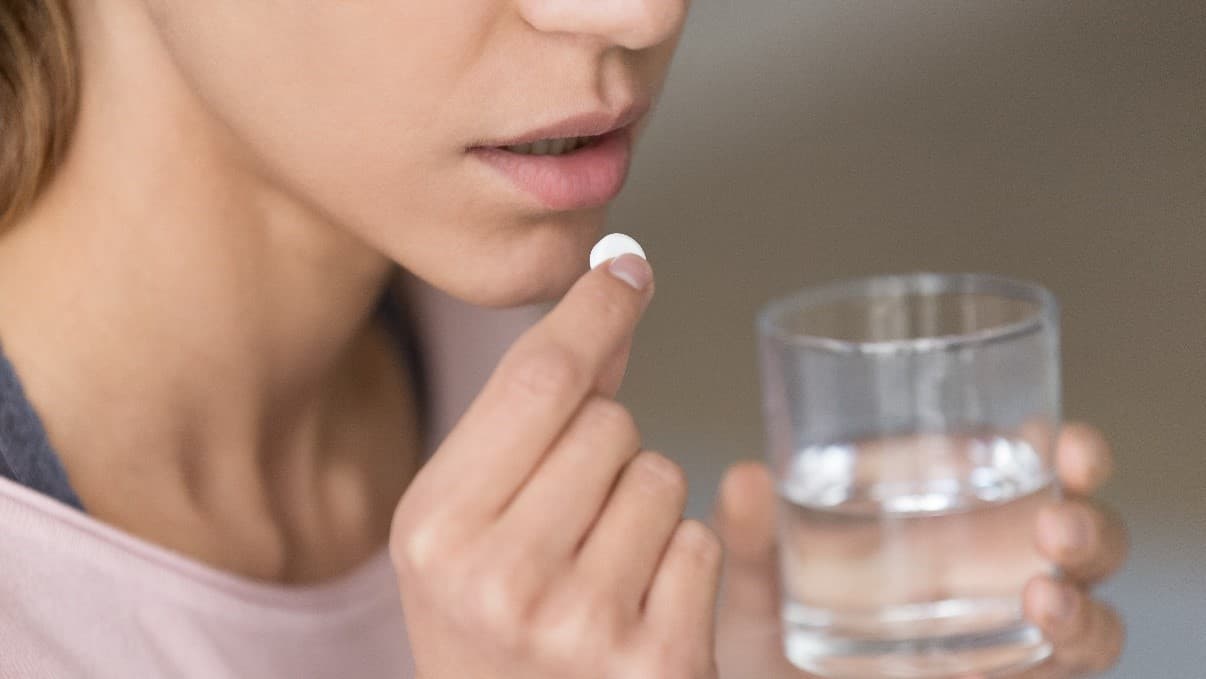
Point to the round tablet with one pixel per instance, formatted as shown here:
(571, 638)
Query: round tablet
(613, 245)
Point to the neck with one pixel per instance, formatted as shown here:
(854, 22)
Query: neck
(180, 303)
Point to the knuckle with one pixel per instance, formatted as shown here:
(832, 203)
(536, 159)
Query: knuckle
(611, 309)
(595, 617)
(579, 623)
(610, 417)
(700, 543)
(599, 614)
(417, 548)
(493, 603)
(669, 659)
(660, 474)
(550, 371)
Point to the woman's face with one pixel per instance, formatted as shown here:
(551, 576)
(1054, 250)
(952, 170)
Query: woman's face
(386, 116)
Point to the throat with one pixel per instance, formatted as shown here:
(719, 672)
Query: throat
(311, 501)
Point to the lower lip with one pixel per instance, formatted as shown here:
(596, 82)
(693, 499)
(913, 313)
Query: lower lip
(589, 177)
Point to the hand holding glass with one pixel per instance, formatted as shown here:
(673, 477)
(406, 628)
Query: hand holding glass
(911, 424)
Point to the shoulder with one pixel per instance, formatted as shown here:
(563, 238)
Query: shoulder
(50, 618)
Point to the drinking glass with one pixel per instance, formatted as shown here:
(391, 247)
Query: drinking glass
(911, 424)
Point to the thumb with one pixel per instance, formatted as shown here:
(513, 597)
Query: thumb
(745, 522)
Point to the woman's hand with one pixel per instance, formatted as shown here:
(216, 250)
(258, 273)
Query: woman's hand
(1084, 539)
(541, 542)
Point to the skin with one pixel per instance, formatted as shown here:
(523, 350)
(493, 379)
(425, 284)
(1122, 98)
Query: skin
(1086, 540)
(243, 184)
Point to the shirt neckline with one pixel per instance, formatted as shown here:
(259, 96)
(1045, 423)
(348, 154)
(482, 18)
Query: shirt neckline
(361, 585)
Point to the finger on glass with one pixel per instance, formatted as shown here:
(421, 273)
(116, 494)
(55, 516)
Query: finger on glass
(1087, 541)
(1087, 635)
(1084, 460)
(911, 425)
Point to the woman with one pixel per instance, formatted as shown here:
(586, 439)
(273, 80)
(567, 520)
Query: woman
(214, 413)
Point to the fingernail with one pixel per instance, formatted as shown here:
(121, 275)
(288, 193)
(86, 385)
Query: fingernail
(632, 270)
(626, 257)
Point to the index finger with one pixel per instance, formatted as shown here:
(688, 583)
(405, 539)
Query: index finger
(538, 385)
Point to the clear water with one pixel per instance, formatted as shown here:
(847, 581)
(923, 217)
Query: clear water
(906, 557)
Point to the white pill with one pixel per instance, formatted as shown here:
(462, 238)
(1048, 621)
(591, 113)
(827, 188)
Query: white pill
(613, 245)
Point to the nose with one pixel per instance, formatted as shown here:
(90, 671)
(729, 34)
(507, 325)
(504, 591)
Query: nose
(633, 24)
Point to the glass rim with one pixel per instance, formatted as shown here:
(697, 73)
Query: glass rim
(918, 283)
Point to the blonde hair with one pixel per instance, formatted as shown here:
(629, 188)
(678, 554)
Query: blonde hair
(39, 91)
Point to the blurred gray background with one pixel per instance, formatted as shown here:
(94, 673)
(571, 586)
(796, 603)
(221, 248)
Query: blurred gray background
(802, 141)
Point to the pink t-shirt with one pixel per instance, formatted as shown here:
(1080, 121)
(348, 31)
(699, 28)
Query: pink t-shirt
(79, 598)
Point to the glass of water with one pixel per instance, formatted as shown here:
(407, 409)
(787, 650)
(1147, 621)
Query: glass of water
(911, 424)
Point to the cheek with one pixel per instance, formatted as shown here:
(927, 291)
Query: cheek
(362, 117)
(358, 115)
(341, 103)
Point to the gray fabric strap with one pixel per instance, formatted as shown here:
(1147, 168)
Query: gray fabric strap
(27, 457)
(25, 452)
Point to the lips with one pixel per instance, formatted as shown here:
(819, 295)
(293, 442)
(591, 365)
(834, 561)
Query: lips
(578, 163)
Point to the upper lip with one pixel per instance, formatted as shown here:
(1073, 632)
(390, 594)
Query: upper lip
(590, 124)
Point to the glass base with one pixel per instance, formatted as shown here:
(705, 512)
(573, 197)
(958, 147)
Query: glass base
(992, 654)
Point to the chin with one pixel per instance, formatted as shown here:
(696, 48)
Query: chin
(537, 263)
(505, 290)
